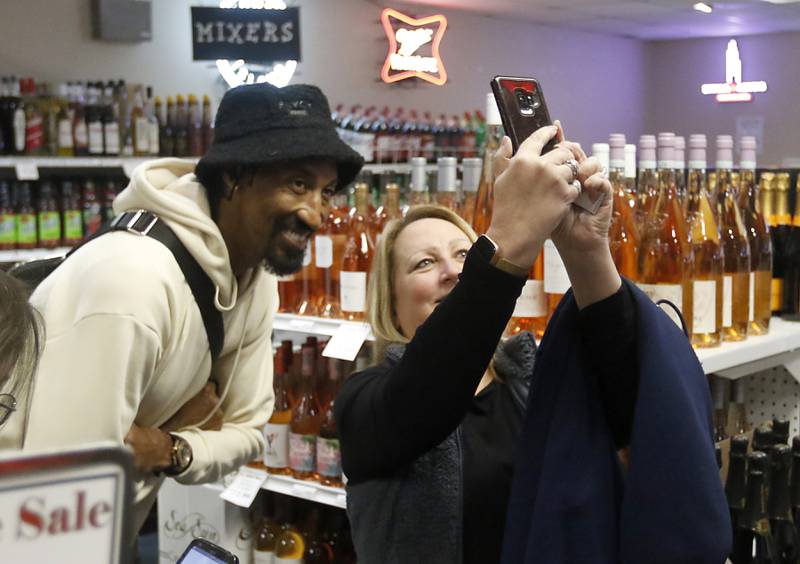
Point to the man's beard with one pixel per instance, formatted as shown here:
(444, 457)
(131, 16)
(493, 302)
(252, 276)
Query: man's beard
(281, 259)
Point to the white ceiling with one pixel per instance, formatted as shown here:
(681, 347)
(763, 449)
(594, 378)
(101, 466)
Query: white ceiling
(643, 19)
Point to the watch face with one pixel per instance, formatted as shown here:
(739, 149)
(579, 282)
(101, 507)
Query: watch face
(184, 453)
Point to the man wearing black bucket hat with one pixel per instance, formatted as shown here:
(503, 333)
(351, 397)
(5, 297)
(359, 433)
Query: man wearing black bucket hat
(129, 346)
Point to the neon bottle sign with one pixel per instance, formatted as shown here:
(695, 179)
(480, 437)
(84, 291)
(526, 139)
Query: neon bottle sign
(407, 36)
(237, 73)
(734, 89)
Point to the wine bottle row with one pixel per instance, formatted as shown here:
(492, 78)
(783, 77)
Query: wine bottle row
(100, 119)
(291, 530)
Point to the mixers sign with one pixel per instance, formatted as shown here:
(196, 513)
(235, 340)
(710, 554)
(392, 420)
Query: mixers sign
(250, 35)
(413, 47)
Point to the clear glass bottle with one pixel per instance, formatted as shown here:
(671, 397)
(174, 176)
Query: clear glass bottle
(446, 187)
(622, 237)
(530, 311)
(470, 181)
(647, 183)
(357, 259)
(276, 431)
(329, 244)
(484, 200)
(305, 422)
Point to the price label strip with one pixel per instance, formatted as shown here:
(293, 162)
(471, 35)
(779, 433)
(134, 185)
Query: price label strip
(245, 487)
(27, 171)
(347, 341)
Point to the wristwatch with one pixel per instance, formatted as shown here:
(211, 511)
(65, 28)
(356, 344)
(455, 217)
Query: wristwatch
(181, 456)
(489, 249)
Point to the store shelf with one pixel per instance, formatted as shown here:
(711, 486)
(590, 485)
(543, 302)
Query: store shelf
(306, 490)
(27, 167)
(32, 254)
(312, 325)
(780, 347)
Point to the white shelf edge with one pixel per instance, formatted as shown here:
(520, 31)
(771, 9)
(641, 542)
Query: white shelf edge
(303, 489)
(311, 325)
(32, 254)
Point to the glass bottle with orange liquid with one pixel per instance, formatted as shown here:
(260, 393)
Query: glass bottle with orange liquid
(736, 281)
(622, 236)
(666, 260)
(357, 259)
(647, 184)
(388, 211)
(708, 254)
(482, 216)
(276, 431)
(290, 546)
(305, 284)
(780, 224)
(329, 453)
(556, 279)
(760, 241)
(305, 422)
(530, 311)
(470, 180)
(679, 162)
(329, 243)
(446, 189)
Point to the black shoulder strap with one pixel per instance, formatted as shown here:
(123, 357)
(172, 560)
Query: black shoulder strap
(145, 223)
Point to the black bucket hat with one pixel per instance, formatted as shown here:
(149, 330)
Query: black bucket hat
(261, 124)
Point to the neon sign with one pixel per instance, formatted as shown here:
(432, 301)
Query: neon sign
(733, 89)
(407, 36)
(237, 72)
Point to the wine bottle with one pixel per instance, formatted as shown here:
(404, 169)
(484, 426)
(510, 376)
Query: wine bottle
(329, 453)
(470, 181)
(329, 244)
(780, 223)
(276, 431)
(719, 391)
(782, 525)
(305, 422)
(556, 279)
(752, 541)
(419, 182)
(679, 161)
(388, 211)
(357, 259)
(26, 217)
(738, 407)
(780, 431)
(268, 531)
(630, 171)
(794, 493)
(317, 550)
(736, 484)
(49, 218)
(791, 264)
(290, 546)
(530, 311)
(601, 151)
(762, 439)
(485, 198)
(446, 189)
(647, 184)
(622, 237)
(8, 217)
(305, 283)
(709, 261)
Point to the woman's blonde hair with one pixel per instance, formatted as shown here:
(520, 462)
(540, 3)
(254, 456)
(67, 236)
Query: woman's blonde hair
(21, 337)
(380, 299)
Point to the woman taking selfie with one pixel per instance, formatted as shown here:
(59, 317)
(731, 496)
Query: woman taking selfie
(429, 436)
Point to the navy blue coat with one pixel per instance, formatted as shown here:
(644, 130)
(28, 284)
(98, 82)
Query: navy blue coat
(570, 501)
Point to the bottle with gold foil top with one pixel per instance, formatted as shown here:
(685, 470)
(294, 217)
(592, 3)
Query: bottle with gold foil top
(666, 259)
(791, 265)
(622, 237)
(647, 184)
(736, 279)
(758, 235)
(470, 181)
(485, 198)
(446, 189)
(708, 255)
(530, 312)
(357, 259)
(418, 193)
(780, 224)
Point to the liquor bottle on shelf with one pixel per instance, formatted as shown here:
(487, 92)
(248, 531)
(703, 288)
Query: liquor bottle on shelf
(782, 525)
(738, 407)
(268, 529)
(65, 146)
(329, 454)
(418, 193)
(622, 236)
(109, 192)
(780, 431)
(26, 217)
(758, 235)
(470, 180)
(383, 140)
(794, 493)
(762, 438)
(166, 137)
(80, 133)
(305, 282)
(707, 282)
(427, 137)
(305, 423)
(530, 311)
(357, 259)
(630, 172)
(276, 431)
(140, 125)
(752, 540)
(411, 137)
(388, 211)
(485, 198)
(92, 210)
(206, 128)
(556, 279)
(34, 121)
(446, 189)
(666, 259)
(154, 128)
(736, 484)
(647, 183)
(194, 127)
(72, 217)
(290, 546)
(181, 127)
(317, 550)
(602, 151)
(18, 114)
(397, 150)
(780, 223)
(8, 218)
(49, 218)
(360, 134)
(94, 120)
(329, 244)
(791, 261)
(679, 161)
(735, 246)
(719, 391)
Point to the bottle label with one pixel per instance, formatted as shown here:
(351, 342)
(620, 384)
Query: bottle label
(26, 228)
(260, 557)
(353, 291)
(49, 226)
(752, 300)
(34, 133)
(111, 129)
(276, 453)
(324, 249)
(64, 134)
(73, 225)
(81, 135)
(19, 130)
(329, 458)
(8, 229)
(142, 141)
(670, 292)
(301, 452)
(704, 316)
(96, 138)
(556, 280)
(532, 302)
(154, 143)
(92, 219)
(727, 301)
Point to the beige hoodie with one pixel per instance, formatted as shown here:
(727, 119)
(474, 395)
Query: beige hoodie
(126, 342)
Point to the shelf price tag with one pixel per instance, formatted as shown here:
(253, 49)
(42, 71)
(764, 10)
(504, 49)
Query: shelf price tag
(245, 487)
(27, 171)
(347, 341)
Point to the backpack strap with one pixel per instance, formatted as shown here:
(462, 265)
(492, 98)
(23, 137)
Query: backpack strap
(145, 223)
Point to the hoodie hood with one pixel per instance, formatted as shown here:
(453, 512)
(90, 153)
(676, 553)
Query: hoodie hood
(169, 189)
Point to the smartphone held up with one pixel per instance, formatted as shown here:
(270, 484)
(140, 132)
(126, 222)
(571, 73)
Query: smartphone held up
(523, 110)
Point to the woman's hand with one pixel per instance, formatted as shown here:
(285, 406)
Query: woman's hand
(579, 230)
(195, 410)
(532, 195)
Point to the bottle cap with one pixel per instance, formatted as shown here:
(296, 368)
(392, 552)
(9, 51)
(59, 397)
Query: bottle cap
(781, 457)
(492, 112)
(739, 444)
(780, 431)
(616, 155)
(666, 150)
(697, 151)
(680, 152)
(762, 438)
(724, 151)
(419, 178)
(446, 174)
(601, 152)
(757, 461)
(748, 156)
(647, 151)
(471, 174)
(630, 160)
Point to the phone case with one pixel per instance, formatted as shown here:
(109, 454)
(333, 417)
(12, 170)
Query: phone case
(206, 548)
(523, 110)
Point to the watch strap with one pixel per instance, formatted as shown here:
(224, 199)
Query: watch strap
(493, 255)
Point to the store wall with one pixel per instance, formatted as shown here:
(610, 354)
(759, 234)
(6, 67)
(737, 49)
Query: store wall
(676, 69)
(593, 82)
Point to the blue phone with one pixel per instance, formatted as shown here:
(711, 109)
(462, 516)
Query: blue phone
(201, 551)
